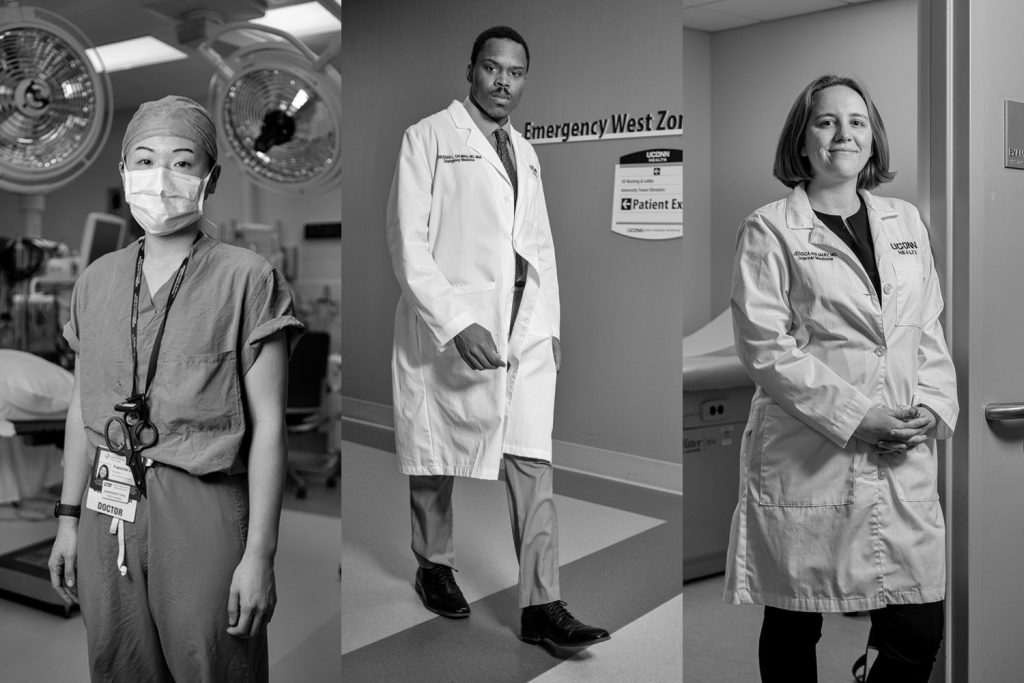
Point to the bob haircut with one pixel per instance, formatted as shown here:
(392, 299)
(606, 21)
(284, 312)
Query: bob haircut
(792, 168)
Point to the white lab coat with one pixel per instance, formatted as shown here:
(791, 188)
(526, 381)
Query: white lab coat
(451, 232)
(824, 522)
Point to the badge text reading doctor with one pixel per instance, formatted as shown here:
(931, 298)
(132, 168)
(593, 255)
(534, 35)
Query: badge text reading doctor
(112, 490)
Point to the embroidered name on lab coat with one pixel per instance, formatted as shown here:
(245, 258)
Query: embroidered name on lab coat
(814, 255)
(455, 158)
(905, 248)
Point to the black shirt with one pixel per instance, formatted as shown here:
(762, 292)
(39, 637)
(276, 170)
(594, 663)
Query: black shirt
(855, 232)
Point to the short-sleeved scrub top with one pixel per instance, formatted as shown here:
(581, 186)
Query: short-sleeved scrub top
(230, 301)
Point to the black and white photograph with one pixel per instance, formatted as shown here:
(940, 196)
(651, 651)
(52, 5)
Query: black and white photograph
(672, 340)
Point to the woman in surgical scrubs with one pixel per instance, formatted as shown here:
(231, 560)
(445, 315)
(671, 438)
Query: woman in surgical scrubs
(188, 337)
(836, 308)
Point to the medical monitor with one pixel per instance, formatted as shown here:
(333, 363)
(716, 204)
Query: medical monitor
(103, 234)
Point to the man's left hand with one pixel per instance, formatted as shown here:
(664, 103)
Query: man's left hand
(556, 349)
(252, 598)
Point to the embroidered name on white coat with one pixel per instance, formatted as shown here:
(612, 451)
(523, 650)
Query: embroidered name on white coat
(456, 158)
(814, 255)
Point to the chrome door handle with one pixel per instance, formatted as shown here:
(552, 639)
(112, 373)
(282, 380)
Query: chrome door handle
(1004, 411)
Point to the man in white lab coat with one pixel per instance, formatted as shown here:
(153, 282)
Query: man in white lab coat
(476, 346)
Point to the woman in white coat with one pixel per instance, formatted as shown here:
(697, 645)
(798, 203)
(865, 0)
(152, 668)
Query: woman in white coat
(836, 308)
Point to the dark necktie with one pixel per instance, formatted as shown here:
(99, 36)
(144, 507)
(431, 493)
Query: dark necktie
(506, 161)
(510, 168)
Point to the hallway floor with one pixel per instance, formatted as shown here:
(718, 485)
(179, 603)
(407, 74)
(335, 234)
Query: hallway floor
(621, 568)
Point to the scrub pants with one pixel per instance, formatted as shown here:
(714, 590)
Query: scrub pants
(531, 509)
(166, 620)
(907, 637)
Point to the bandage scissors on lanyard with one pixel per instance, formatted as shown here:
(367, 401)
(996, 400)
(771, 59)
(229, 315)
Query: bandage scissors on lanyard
(134, 439)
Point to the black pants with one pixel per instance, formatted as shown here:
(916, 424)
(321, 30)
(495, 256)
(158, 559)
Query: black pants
(907, 638)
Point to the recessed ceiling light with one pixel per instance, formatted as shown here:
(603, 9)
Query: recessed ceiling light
(132, 54)
(307, 19)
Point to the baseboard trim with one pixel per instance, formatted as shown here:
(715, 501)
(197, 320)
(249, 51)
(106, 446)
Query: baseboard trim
(625, 467)
(359, 416)
(367, 413)
(703, 566)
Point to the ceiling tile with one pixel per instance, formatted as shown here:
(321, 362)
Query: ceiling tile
(776, 9)
(703, 19)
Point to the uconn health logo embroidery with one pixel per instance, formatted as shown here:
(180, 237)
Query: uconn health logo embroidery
(905, 248)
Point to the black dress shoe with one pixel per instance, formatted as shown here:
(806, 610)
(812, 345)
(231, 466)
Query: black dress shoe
(439, 592)
(553, 624)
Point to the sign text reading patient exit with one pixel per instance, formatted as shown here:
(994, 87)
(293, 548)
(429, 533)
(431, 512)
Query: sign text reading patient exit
(651, 124)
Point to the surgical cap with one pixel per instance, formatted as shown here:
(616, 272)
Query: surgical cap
(172, 115)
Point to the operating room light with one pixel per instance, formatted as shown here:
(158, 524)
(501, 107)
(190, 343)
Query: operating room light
(307, 19)
(298, 101)
(132, 54)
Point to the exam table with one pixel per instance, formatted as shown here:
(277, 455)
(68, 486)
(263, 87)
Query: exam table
(29, 457)
(29, 462)
(716, 402)
(34, 396)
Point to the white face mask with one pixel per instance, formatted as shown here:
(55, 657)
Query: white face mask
(164, 201)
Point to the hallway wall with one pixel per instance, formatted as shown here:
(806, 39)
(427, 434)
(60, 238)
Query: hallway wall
(697, 263)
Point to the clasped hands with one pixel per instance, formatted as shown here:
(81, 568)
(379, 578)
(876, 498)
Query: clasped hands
(476, 346)
(895, 429)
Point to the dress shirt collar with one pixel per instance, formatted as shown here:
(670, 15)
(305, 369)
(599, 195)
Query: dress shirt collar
(486, 125)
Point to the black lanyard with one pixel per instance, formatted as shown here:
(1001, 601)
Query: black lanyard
(175, 286)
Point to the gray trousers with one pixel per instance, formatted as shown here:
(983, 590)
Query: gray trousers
(531, 508)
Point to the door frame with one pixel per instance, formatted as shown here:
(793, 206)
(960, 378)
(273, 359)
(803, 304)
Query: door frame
(943, 66)
(954, 153)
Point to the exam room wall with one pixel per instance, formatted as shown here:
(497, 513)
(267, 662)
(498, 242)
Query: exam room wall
(66, 208)
(697, 186)
(756, 73)
(622, 323)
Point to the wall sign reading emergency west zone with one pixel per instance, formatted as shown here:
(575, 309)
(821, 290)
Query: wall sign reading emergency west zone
(648, 201)
(616, 126)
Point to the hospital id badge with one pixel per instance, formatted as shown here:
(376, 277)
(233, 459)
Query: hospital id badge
(112, 489)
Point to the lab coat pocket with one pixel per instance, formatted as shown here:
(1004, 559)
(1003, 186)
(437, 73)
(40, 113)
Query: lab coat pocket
(200, 393)
(916, 473)
(479, 299)
(800, 467)
(909, 292)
